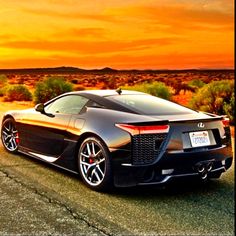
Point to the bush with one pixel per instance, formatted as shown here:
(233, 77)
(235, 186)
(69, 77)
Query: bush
(3, 91)
(3, 85)
(216, 97)
(17, 93)
(229, 108)
(50, 88)
(196, 83)
(158, 89)
(3, 80)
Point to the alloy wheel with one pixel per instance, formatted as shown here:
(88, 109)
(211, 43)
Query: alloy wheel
(10, 135)
(94, 163)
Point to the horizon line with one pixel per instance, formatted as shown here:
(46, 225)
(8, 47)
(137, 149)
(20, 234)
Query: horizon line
(110, 68)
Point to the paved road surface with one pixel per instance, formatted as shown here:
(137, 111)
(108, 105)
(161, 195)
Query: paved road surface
(36, 198)
(26, 211)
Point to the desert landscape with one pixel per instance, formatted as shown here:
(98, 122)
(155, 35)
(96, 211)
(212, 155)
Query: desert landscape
(178, 81)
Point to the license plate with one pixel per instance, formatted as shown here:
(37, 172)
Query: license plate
(199, 139)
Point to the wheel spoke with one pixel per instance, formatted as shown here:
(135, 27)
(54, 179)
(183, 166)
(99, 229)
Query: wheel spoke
(87, 164)
(101, 160)
(97, 175)
(11, 142)
(5, 127)
(5, 133)
(98, 167)
(98, 153)
(93, 148)
(84, 163)
(88, 149)
(92, 174)
(6, 137)
(8, 143)
(14, 142)
(84, 155)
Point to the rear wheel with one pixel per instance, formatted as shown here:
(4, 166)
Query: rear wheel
(94, 164)
(10, 135)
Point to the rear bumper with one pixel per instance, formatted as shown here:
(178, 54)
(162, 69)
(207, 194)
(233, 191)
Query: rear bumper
(173, 165)
(162, 179)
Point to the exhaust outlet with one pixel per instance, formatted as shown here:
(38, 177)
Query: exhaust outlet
(204, 176)
(200, 168)
(203, 168)
(209, 166)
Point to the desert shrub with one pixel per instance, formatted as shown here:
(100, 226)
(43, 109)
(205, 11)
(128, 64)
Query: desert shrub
(229, 108)
(3, 85)
(196, 84)
(158, 89)
(3, 80)
(216, 97)
(50, 88)
(3, 90)
(17, 93)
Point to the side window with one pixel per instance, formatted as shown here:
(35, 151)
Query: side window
(70, 104)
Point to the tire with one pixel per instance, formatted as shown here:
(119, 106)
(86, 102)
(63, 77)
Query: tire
(94, 164)
(10, 135)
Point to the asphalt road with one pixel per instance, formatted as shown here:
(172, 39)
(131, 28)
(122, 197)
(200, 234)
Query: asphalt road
(36, 198)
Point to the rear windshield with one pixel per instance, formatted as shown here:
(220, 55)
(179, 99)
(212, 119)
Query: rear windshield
(149, 105)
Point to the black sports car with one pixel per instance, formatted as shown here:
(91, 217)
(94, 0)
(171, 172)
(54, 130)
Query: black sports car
(121, 138)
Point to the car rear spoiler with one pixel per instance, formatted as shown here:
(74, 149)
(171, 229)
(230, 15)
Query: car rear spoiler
(197, 120)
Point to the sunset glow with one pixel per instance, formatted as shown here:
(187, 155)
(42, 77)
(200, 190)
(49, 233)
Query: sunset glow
(130, 34)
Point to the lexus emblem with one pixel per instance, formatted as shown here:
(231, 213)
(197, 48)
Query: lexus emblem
(200, 125)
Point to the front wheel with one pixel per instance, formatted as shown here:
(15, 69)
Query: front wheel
(10, 135)
(94, 164)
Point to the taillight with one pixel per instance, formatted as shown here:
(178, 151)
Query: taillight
(225, 122)
(152, 129)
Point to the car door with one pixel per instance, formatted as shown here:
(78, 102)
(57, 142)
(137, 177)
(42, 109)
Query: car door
(46, 132)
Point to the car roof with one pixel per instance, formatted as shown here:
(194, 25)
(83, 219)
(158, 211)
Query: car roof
(107, 92)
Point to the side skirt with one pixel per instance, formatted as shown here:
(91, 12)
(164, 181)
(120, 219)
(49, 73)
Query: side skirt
(31, 154)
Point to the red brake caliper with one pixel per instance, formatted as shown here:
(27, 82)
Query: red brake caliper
(17, 138)
(90, 160)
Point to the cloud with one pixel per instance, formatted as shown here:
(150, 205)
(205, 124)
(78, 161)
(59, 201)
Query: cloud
(6, 36)
(83, 32)
(70, 14)
(182, 16)
(151, 61)
(91, 47)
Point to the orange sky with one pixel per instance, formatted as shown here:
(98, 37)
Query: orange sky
(123, 34)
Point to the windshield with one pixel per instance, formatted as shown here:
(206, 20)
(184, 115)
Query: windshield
(149, 105)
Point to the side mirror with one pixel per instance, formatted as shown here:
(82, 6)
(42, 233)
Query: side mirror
(40, 108)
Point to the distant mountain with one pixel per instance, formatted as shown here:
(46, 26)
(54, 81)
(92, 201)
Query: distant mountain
(62, 69)
(107, 69)
(53, 70)
(74, 70)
